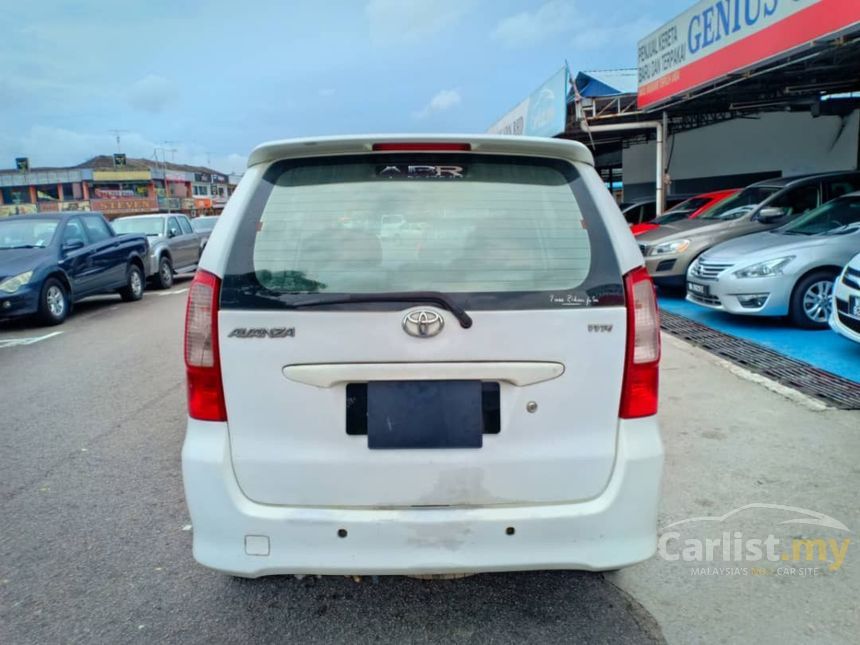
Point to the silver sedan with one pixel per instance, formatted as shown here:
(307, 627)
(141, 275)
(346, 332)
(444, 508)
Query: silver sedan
(788, 271)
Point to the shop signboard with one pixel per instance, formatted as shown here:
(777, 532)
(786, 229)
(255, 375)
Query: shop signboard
(542, 114)
(715, 38)
(169, 203)
(17, 209)
(75, 206)
(124, 206)
(108, 193)
(121, 175)
(209, 178)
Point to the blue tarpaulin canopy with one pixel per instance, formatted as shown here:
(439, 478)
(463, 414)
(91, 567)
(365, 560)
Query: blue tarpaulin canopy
(609, 82)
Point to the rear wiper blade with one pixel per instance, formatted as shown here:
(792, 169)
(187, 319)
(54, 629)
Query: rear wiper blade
(405, 296)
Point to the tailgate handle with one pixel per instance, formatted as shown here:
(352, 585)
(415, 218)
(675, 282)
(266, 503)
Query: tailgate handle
(513, 372)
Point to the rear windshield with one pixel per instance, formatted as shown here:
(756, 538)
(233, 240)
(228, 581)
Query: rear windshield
(473, 225)
(139, 225)
(204, 224)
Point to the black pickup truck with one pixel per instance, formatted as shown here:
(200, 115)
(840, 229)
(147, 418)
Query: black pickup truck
(50, 261)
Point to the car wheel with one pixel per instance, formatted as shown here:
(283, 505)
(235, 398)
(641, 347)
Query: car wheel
(811, 300)
(53, 303)
(133, 289)
(164, 277)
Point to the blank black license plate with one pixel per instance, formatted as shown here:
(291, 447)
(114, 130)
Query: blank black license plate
(424, 414)
(700, 289)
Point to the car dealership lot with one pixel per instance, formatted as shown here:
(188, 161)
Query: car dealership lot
(96, 539)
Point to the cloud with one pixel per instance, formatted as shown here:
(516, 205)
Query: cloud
(620, 32)
(444, 100)
(585, 30)
(398, 21)
(152, 94)
(530, 28)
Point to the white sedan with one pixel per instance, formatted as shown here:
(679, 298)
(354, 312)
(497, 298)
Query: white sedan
(845, 313)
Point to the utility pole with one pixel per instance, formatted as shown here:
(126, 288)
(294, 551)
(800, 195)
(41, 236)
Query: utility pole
(164, 152)
(118, 134)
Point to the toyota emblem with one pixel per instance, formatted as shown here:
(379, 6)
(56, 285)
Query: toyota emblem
(423, 323)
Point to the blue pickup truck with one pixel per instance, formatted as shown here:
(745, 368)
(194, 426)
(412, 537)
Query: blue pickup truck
(50, 261)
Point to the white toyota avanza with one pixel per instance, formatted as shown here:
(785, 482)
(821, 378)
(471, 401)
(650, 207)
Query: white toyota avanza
(473, 389)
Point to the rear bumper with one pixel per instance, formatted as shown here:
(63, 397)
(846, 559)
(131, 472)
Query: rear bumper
(615, 529)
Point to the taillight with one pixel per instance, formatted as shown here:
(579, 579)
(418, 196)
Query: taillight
(641, 366)
(202, 362)
(430, 146)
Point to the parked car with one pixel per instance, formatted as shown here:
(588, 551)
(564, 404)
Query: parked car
(384, 406)
(174, 247)
(687, 209)
(645, 210)
(670, 249)
(48, 262)
(845, 309)
(787, 271)
(203, 226)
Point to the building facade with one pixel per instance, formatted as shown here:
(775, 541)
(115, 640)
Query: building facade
(116, 187)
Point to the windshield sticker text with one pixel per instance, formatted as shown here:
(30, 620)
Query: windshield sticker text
(409, 171)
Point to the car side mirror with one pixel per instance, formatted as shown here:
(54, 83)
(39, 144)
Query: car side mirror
(771, 213)
(72, 245)
(172, 232)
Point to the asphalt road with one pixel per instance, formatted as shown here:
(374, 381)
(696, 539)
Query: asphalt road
(95, 542)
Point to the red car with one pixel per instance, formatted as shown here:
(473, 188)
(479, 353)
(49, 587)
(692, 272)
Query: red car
(687, 209)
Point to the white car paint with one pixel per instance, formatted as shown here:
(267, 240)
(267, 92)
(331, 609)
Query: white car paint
(279, 488)
(846, 292)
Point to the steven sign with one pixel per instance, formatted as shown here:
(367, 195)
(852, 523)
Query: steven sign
(718, 37)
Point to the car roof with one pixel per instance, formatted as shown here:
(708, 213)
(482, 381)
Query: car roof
(487, 143)
(46, 216)
(139, 215)
(782, 182)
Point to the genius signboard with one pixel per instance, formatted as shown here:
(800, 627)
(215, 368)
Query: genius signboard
(718, 37)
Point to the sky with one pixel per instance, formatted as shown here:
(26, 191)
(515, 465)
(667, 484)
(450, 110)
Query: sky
(210, 80)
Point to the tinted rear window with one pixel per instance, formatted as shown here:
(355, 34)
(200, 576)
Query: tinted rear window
(486, 227)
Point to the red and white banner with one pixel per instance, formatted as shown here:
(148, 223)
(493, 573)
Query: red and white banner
(719, 37)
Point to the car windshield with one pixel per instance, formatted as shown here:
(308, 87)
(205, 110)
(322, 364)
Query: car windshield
(139, 225)
(741, 204)
(204, 224)
(673, 215)
(836, 217)
(27, 233)
(689, 205)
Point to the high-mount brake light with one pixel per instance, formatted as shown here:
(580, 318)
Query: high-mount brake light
(431, 146)
(202, 361)
(642, 359)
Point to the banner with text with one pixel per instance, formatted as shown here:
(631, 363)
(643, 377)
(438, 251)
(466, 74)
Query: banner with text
(542, 114)
(719, 37)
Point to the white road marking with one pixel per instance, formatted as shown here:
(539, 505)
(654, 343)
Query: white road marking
(15, 342)
(171, 293)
